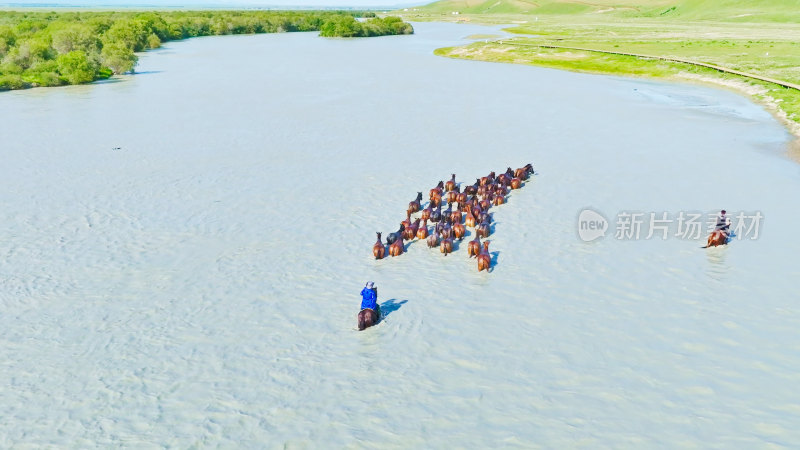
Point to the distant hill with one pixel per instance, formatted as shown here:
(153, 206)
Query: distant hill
(714, 10)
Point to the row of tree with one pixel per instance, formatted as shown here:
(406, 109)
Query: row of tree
(53, 49)
(348, 26)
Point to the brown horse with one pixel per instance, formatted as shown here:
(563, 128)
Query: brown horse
(473, 189)
(452, 195)
(438, 190)
(378, 250)
(367, 318)
(484, 259)
(461, 198)
(446, 214)
(426, 213)
(415, 205)
(498, 200)
(407, 223)
(433, 239)
(470, 220)
(524, 172)
(483, 229)
(516, 183)
(411, 231)
(396, 249)
(436, 198)
(455, 216)
(445, 230)
(459, 230)
(716, 238)
(486, 203)
(422, 232)
(446, 246)
(450, 185)
(474, 247)
(436, 215)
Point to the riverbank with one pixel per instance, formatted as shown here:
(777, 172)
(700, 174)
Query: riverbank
(665, 49)
(45, 49)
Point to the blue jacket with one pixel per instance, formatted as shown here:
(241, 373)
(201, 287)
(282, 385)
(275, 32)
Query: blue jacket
(369, 299)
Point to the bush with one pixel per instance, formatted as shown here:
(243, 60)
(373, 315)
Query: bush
(76, 67)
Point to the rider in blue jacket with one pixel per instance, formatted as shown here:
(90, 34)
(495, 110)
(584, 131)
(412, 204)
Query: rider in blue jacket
(369, 297)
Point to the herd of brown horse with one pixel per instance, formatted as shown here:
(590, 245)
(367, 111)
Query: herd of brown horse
(465, 208)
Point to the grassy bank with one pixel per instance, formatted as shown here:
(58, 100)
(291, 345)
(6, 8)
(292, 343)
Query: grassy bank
(53, 49)
(762, 37)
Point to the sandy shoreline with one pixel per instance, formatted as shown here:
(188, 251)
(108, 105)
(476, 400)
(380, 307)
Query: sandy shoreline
(759, 95)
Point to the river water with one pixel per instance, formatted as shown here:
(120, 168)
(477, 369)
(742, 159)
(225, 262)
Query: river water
(182, 251)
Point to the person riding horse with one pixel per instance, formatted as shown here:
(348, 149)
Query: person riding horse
(369, 298)
(723, 223)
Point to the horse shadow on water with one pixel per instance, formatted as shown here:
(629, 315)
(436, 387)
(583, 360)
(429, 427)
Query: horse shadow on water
(390, 306)
(493, 262)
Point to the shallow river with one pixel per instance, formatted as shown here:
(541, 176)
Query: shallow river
(181, 254)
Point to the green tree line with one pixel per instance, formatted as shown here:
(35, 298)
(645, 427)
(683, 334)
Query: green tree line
(54, 49)
(348, 26)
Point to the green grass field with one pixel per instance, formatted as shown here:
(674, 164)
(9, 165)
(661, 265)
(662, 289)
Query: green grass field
(758, 36)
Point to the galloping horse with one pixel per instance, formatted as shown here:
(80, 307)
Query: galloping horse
(378, 249)
(484, 259)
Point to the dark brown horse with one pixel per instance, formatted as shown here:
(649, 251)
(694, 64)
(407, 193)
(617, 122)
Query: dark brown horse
(393, 237)
(436, 215)
(483, 229)
(484, 259)
(473, 189)
(415, 205)
(367, 318)
(378, 250)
